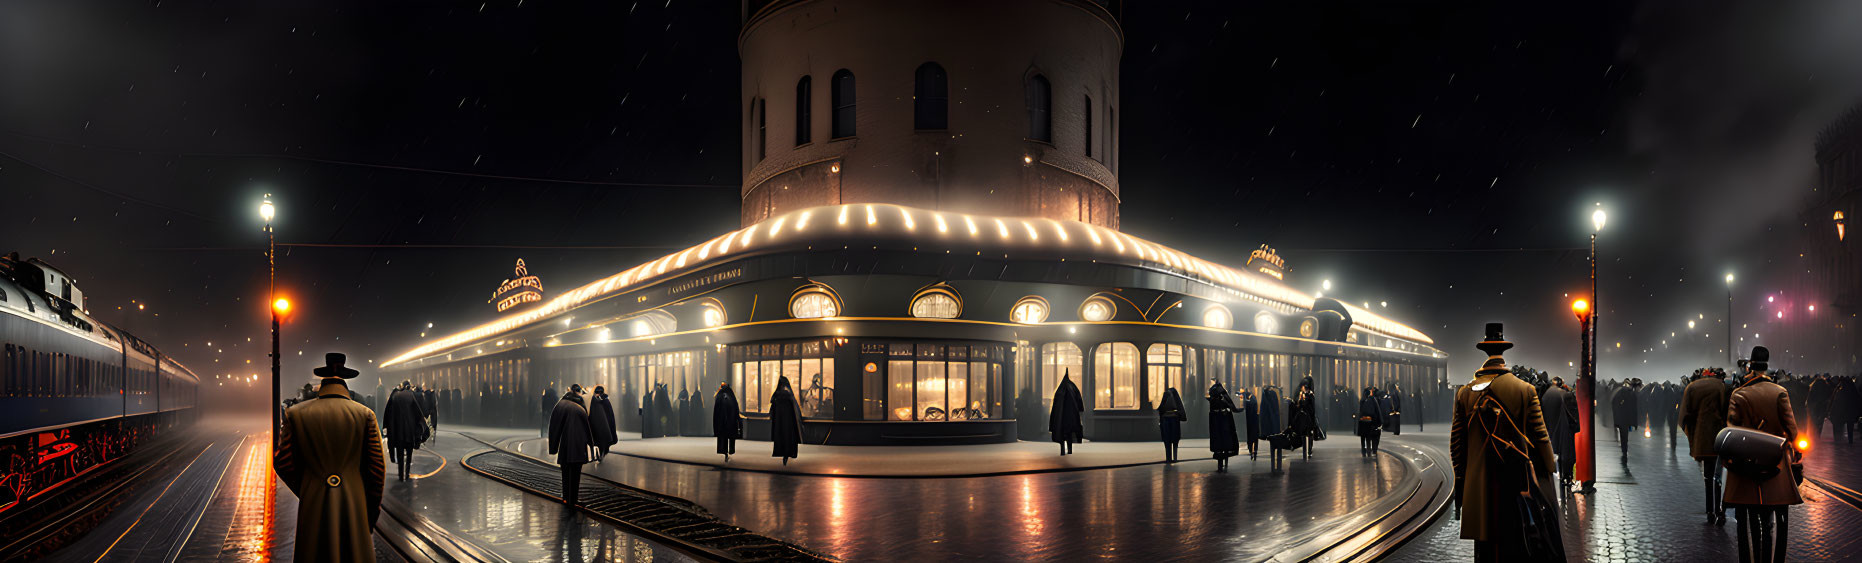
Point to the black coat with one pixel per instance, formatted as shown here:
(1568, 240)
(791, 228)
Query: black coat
(1222, 440)
(1560, 409)
(685, 414)
(726, 423)
(1063, 422)
(601, 419)
(570, 434)
(1270, 411)
(1372, 408)
(694, 422)
(785, 421)
(404, 422)
(1170, 416)
(1251, 414)
(1623, 407)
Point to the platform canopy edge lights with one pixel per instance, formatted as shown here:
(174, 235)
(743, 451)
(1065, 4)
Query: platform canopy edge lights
(893, 225)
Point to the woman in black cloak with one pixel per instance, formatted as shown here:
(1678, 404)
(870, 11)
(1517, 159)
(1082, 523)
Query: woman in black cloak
(1304, 422)
(725, 422)
(1370, 421)
(601, 422)
(1222, 440)
(1064, 420)
(1170, 417)
(1251, 414)
(785, 421)
(694, 424)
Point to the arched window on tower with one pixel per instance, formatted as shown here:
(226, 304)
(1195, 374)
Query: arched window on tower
(843, 104)
(1040, 98)
(931, 99)
(804, 99)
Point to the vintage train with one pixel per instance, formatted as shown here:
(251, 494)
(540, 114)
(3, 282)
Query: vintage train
(75, 394)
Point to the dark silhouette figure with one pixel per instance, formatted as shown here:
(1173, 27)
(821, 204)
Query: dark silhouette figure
(726, 424)
(664, 422)
(1251, 415)
(1560, 409)
(1223, 442)
(1623, 407)
(430, 404)
(1703, 416)
(546, 407)
(785, 422)
(1270, 409)
(328, 452)
(406, 426)
(570, 441)
(1303, 423)
(601, 422)
(1170, 417)
(694, 424)
(1395, 421)
(685, 409)
(1064, 420)
(1370, 422)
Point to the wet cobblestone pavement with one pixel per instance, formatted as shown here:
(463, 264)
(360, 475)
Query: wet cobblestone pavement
(1650, 508)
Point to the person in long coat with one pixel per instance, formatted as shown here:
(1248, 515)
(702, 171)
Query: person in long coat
(1761, 404)
(1560, 408)
(663, 418)
(694, 424)
(1251, 415)
(785, 422)
(406, 426)
(1170, 417)
(430, 404)
(1703, 415)
(571, 440)
(683, 406)
(1394, 423)
(1063, 422)
(1223, 443)
(1303, 422)
(601, 422)
(1846, 407)
(726, 423)
(1624, 412)
(1370, 422)
(329, 454)
(1486, 493)
(1270, 409)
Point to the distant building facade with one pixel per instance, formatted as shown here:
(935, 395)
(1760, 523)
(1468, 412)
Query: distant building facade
(930, 245)
(1835, 272)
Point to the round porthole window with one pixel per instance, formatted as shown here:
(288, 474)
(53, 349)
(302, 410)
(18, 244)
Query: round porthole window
(1309, 327)
(1217, 316)
(936, 304)
(813, 303)
(1030, 310)
(1096, 309)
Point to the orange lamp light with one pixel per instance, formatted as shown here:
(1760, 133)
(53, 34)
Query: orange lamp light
(1581, 308)
(1803, 445)
(282, 306)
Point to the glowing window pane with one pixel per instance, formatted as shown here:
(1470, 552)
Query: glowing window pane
(813, 305)
(935, 306)
(1029, 311)
(1096, 309)
(1217, 317)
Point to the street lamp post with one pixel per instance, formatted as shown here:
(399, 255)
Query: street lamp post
(267, 211)
(1731, 356)
(1587, 379)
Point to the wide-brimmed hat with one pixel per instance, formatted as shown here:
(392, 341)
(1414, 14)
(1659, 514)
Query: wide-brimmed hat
(333, 367)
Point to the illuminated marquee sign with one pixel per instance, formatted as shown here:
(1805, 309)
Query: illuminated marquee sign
(520, 289)
(1270, 263)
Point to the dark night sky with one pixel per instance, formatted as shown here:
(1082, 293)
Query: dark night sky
(1440, 157)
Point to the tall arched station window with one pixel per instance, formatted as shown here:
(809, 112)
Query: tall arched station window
(1115, 368)
(1040, 98)
(843, 95)
(931, 99)
(804, 98)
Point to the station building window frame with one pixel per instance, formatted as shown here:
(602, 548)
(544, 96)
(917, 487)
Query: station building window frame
(1217, 316)
(924, 380)
(814, 301)
(756, 368)
(1030, 310)
(940, 302)
(1115, 376)
(1098, 309)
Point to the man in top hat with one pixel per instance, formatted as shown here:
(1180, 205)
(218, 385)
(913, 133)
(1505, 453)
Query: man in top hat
(1497, 419)
(328, 452)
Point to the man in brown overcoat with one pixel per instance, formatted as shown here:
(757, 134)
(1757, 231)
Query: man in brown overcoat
(1484, 486)
(328, 452)
(1761, 506)
(1703, 415)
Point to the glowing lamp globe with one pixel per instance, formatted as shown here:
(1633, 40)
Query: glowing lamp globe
(1581, 308)
(282, 306)
(267, 211)
(1597, 219)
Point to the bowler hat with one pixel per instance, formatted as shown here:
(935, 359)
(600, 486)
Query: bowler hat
(1760, 359)
(333, 367)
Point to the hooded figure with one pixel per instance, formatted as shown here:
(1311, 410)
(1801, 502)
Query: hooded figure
(1250, 414)
(785, 422)
(1064, 420)
(662, 423)
(1370, 421)
(406, 426)
(1170, 417)
(1703, 416)
(1223, 443)
(1303, 424)
(1560, 408)
(1394, 423)
(601, 419)
(725, 422)
(1761, 404)
(329, 454)
(694, 423)
(1270, 409)
(571, 438)
(684, 408)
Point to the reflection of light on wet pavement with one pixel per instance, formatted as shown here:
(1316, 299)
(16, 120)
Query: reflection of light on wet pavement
(250, 536)
(1031, 516)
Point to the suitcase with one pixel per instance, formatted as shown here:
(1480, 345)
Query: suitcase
(1749, 452)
